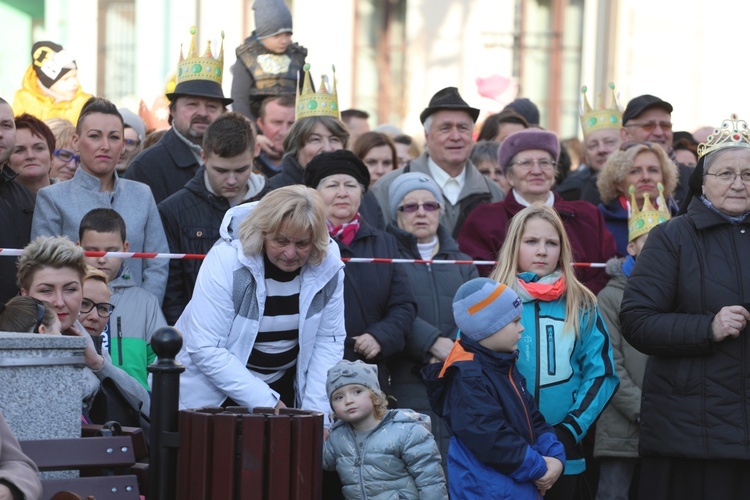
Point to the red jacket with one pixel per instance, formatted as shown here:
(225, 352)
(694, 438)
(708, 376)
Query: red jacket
(484, 231)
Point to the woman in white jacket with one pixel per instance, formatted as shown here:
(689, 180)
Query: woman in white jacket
(266, 320)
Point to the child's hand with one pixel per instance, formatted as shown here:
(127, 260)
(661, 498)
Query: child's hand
(554, 469)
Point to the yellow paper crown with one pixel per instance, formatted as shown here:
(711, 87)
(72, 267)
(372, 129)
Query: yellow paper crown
(601, 117)
(643, 220)
(733, 133)
(324, 102)
(205, 67)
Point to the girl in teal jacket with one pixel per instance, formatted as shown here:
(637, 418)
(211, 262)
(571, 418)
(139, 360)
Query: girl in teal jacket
(564, 353)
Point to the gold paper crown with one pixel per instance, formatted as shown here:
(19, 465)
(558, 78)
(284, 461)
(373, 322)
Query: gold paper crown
(733, 133)
(324, 102)
(600, 118)
(205, 67)
(643, 220)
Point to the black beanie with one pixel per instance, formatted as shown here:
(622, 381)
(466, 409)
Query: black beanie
(342, 161)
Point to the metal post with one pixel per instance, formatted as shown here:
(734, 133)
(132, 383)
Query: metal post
(166, 343)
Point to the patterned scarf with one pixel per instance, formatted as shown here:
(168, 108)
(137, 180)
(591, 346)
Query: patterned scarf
(345, 232)
(547, 288)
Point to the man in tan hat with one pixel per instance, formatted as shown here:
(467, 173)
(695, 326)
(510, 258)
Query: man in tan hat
(196, 101)
(449, 127)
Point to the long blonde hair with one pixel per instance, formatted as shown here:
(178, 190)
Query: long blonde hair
(579, 300)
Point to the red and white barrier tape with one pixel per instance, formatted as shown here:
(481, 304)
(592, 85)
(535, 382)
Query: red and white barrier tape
(12, 252)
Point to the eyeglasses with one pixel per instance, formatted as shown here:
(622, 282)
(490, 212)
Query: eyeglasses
(103, 309)
(650, 126)
(67, 156)
(132, 144)
(729, 176)
(631, 144)
(39, 315)
(527, 164)
(429, 206)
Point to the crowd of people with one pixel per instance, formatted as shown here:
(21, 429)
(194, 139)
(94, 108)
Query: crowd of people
(604, 354)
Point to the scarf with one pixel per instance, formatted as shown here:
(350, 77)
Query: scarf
(344, 232)
(547, 288)
(627, 265)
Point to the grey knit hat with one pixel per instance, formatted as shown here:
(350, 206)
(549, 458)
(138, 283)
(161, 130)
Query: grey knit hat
(352, 372)
(405, 184)
(271, 18)
(483, 306)
(133, 121)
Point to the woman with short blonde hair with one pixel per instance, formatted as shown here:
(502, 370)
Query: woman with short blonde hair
(645, 167)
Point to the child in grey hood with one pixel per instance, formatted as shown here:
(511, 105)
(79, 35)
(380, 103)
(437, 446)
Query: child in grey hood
(378, 453)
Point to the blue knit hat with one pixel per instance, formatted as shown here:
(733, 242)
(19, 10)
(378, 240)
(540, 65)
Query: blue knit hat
(405, 184)
(483, 306)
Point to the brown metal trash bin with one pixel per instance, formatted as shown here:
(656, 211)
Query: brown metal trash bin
(234, 454)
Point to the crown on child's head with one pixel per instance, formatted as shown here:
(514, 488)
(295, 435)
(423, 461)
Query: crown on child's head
(205, 67)
(599, 118)
(644, 220)
(732, 133)
(324, 102)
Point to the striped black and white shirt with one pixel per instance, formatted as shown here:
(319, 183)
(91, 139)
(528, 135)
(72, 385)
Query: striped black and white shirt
(277, 344)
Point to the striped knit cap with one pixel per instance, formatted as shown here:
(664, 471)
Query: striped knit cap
(483, 306)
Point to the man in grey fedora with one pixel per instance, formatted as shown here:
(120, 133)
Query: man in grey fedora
(448, 127)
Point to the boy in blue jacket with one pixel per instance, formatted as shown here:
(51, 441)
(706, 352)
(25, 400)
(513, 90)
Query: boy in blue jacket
(501, 447)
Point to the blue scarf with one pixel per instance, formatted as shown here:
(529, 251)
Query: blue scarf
(627, 265)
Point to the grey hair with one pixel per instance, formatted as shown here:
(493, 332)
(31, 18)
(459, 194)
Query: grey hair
(711, 157)
(427, 124)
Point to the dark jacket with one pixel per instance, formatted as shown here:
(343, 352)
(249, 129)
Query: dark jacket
(191, 217)
(252, 81)
(580, 185)
(16, 214)
(434, 287)
(377, 297)
(484, 232)
(499, 435)
(165, 167)
(293, 173)
(696, 399)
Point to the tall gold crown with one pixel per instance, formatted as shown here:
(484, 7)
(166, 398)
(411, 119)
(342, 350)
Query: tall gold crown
(324, 102)
(733, 133)
(205, 67)
(599, 118)
(643, 220)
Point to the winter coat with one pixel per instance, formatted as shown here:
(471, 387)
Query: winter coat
(398, 459)
(60, 208)
(484, 233)
(259, 73)
(191, 219)
(165, 167)
(434, 287)
(617, 428)
(378, 298)
(293, 173)
(477, 190)
(572, 377)
(136, 317)
(31, 99)
(16, 468)
(695, 390)
(129, 386)
(16, 212)
(499, 436)
(580, 185)
(221, 322)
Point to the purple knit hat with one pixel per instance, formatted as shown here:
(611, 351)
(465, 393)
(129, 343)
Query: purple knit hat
(524, 140)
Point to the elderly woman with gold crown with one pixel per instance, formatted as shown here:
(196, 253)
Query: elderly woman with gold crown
(317, 129)
(647, 170)
(685, 305)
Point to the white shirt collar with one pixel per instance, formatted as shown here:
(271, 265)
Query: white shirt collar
(450, 186)
(550, 201)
